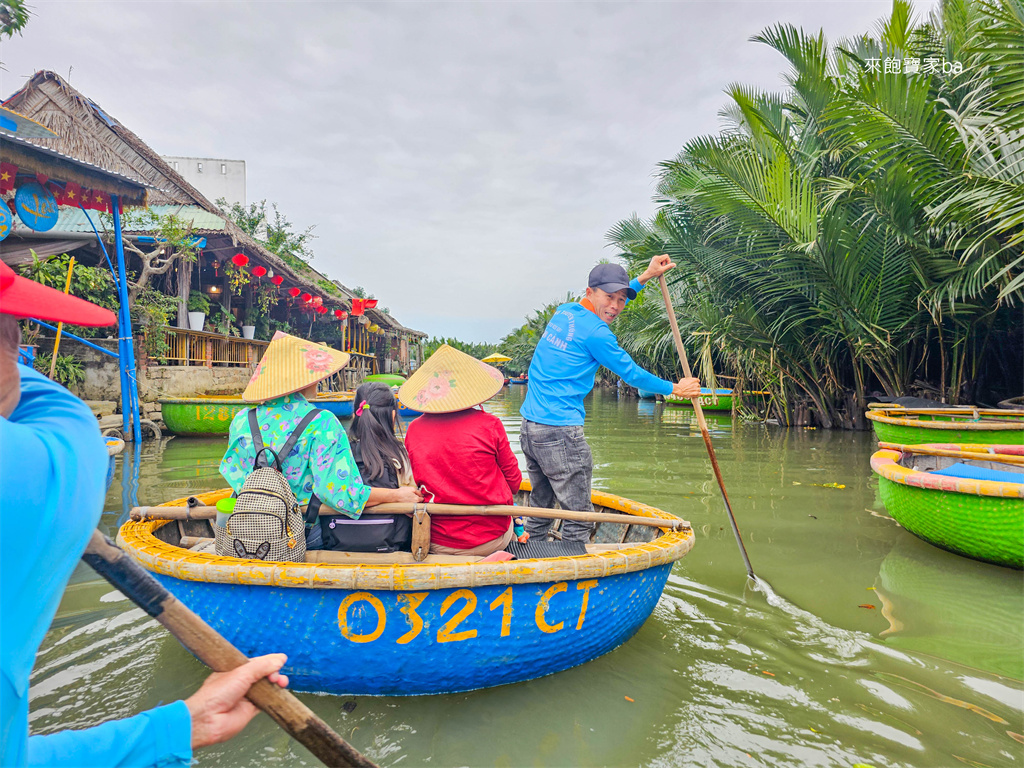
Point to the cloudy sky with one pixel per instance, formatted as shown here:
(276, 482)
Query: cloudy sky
(461, 160)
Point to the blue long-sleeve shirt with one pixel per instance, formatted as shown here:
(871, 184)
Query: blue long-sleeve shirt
(575, 343)
(52, 483)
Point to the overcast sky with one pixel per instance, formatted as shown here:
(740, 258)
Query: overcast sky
(463, 161)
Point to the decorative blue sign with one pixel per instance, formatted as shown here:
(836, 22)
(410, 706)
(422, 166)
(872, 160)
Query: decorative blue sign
(6, 220)
(36, 206)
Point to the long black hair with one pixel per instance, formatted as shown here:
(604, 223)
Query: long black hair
(374, 427)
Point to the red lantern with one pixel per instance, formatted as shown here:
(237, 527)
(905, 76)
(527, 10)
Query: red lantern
(259, 271)
(317, 301)
(277, 279)
(240, 259)
(339, 312)
(306, 298)
(293, 292)
(321, 310)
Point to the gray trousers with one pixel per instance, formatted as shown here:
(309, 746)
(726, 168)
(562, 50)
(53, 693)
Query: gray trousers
(561, 467)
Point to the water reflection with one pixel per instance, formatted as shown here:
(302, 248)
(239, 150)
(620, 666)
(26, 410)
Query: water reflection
(871, 647)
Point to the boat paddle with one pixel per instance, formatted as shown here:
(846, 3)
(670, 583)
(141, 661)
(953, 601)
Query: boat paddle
(198, 637)
(704, 425)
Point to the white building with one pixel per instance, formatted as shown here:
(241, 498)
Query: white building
(213, 177)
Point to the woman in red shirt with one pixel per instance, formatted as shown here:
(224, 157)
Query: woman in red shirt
(460, 453)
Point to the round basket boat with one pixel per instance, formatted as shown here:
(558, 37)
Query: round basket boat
(338, 403)
(893, 424)
(385, 625)
(710, 400)
(115, 446)
(982, 519)
(391, 379)
(200, 416)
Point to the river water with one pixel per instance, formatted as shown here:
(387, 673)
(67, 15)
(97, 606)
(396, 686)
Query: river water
(868, 646)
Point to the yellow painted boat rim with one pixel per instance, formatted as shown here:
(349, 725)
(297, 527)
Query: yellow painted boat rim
(883, 416)
(139, 542)
(885, 463)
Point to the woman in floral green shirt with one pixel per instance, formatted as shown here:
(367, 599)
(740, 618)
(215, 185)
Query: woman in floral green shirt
(321, 463)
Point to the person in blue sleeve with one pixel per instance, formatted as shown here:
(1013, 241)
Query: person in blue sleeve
(50, 438)
(576, 341)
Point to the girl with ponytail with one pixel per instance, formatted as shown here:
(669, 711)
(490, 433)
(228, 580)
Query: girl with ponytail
(383, 463)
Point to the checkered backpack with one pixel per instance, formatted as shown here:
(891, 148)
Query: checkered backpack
(267, 522)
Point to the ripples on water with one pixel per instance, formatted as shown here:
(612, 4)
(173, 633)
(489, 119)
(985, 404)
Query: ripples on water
(862, 646)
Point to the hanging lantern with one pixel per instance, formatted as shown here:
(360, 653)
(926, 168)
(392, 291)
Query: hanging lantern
(215, 265)
(277, 279)
(317, 301)
(374, 328)
(259, 271)
(306, 298)
(270, 273)
(322, 310)
(293, 292)
(339, 313)
(239, 259)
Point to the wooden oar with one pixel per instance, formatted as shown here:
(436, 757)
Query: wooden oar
(703, 424)
(920, 450)
(110, 562)
(497, 510)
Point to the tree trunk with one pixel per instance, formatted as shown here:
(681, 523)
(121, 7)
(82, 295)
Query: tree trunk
(184, 289)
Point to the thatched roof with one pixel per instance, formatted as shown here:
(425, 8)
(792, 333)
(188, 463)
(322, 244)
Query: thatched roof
(88, 133)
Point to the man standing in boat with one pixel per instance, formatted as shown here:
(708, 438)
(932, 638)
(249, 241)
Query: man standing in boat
(576, 341)
(53, 465)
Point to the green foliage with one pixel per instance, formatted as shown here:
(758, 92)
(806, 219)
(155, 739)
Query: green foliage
(198, 302)
(361, 293)
(271, 229)
(479, 351)
(521, 343)
(237, 276)
(862, 230)
(151, 314)
(222, 322)
(68, 371)
(14, 15)
(93, 284)
(264, 297)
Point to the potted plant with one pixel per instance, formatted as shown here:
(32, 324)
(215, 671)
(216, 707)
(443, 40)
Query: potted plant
(198, 309)
(248, 331)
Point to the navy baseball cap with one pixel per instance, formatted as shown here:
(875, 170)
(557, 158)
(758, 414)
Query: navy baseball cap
(610, 278)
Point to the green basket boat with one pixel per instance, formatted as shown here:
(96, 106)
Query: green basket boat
(717, 400)
(909, 426)
(391, 379)
(210, 416)
(981, 519)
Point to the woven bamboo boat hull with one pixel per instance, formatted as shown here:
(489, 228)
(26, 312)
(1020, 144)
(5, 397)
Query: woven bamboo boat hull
(980, 519)
(401, 630)
(211, 416)
(914, 429)
(517, 381)
(406, 412)
(645, 394)
(202, 416)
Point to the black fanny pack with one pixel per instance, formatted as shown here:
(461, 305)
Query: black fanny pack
(370, 533)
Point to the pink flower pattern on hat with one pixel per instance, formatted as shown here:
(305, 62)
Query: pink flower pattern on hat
(317, 360)
(436, 388)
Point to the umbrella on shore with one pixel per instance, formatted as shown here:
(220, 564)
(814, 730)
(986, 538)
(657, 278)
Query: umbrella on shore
(497, 357)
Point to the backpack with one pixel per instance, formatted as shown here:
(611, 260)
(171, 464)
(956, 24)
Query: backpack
(267, 523)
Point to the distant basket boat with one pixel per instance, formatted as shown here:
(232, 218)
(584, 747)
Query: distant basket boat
(1013, 403)
(909, 426)
(646, 394)
(115, 446)
(968, 506)
(391, 379)
(710, 400)
(376, 624)
(518, 381)
(211, 416)
(406, 412)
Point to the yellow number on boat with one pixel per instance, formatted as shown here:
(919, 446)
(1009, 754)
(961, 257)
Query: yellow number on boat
(347, 603)
(505, 601)
(542, 607)
(445, 634)
(586, 586)
(413, 600)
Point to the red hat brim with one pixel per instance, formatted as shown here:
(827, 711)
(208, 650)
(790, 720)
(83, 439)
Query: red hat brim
(25, 298)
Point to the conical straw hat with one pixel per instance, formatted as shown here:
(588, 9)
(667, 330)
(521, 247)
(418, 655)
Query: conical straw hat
(450, 381)
(289, 365)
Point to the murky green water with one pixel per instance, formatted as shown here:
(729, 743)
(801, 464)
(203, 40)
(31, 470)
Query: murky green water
(878, 650)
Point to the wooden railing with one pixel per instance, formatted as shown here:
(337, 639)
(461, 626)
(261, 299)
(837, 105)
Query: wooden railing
(186, 347)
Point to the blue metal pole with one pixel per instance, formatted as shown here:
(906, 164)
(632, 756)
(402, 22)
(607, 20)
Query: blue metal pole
(76, 338)
(129, 393)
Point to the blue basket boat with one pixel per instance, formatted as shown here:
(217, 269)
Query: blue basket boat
(518, 381)
(406, 412)
(373, 624)
(340, 404)
(645, 394)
